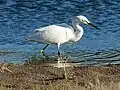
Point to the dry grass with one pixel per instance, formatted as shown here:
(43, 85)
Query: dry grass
(41, 76)
(67, 86)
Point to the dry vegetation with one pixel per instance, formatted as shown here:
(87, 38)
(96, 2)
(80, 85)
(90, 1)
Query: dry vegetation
(41, 76)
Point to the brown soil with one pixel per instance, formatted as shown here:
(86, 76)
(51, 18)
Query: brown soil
(45, 77)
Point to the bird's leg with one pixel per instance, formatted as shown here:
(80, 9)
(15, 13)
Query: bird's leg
(42, 51)
(59, 50)
(58, 53)
(59, 58)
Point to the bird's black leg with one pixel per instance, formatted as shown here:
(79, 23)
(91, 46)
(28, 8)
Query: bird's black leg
(58, 53)
(58, 50)
(42, 51)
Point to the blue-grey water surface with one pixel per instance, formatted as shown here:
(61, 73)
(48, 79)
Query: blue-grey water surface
(20, 17)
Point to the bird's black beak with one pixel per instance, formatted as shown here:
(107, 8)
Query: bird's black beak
(93, 26)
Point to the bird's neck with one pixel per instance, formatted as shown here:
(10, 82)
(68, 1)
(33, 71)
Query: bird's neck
(78, 31)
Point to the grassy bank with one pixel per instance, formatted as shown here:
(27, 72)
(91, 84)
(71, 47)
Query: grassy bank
(42, 76)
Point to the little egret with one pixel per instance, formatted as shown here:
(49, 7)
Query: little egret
(60, 33)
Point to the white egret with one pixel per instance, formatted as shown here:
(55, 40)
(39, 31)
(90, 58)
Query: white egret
(60, 33)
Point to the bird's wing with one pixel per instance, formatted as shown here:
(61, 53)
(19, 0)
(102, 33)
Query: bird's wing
(65, 25)
(51, 26)
(49, 33)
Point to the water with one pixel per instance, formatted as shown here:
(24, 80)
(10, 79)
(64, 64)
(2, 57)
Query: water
(20, 17)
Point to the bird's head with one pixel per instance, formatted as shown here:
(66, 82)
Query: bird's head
(84, 20)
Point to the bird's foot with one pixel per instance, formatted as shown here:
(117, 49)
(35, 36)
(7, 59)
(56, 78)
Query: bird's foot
(41, 52)
(4, 67)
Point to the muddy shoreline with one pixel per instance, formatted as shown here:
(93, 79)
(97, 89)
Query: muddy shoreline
(44, 77)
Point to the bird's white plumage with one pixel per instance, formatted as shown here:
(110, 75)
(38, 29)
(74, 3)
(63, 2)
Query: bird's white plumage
(59, 33)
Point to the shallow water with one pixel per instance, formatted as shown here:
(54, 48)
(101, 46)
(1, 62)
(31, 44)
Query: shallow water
(20, 17)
